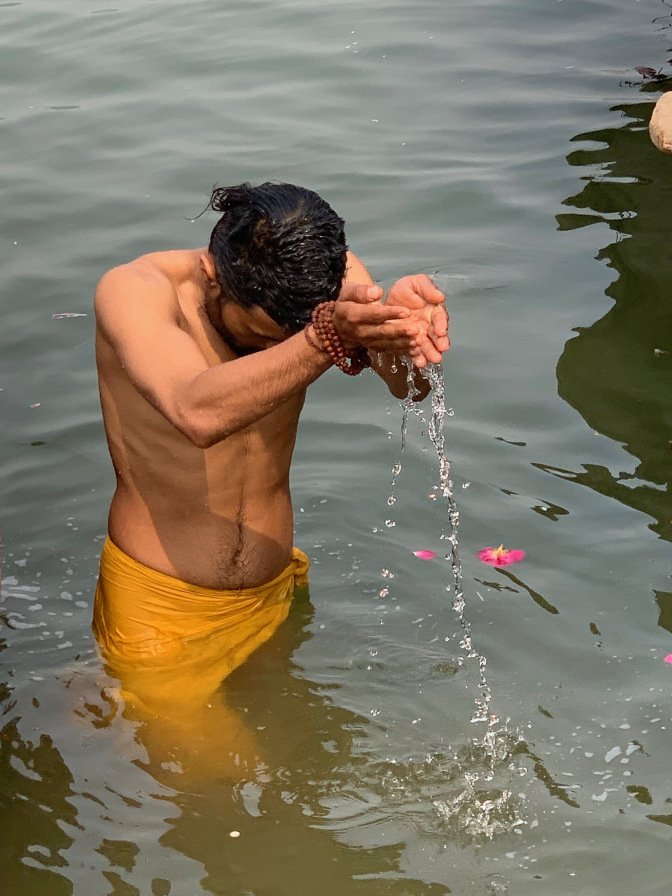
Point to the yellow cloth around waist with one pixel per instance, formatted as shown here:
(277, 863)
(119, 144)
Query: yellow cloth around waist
(171, 641)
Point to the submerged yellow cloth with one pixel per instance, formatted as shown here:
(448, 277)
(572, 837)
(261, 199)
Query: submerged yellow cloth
(171, 642)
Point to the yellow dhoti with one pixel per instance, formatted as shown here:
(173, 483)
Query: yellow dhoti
(171, 643)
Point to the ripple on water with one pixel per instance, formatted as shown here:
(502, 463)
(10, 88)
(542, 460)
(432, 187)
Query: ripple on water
(468, 795)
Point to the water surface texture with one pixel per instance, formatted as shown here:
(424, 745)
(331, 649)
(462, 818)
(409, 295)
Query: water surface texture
(503, 148)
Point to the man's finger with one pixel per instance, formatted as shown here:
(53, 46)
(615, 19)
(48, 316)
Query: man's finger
(416, 290)
(418, 358)
(433, 349)
(391, 329)
(438, 332)
(372, 315)
(425, 287)
(439, 321)
(360, 293)
(397, 336)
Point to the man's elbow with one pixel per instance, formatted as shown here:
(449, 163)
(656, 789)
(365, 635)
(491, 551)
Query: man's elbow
(203, 438)
(423, 388)
(200, 429)
(400, 390)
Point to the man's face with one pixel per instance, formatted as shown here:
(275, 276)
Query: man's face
(248, 330)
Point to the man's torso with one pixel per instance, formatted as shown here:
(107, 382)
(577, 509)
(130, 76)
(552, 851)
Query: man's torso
(219, 517)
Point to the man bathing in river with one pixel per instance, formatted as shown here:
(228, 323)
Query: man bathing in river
(204, 357)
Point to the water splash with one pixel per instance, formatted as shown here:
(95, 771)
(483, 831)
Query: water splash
(407, 406)
(477, 799)
(433, 373)
(483, 805)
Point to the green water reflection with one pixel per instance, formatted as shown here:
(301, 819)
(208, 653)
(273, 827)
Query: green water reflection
(35, 787)
(617, 373)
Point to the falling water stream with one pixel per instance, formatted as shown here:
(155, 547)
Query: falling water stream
(483, 803)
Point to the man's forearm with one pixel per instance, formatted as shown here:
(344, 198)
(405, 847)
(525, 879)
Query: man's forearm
(228, 397)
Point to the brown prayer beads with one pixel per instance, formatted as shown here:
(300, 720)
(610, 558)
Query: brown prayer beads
(330, 341)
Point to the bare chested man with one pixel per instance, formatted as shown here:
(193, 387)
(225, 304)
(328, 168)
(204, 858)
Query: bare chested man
(204, 357)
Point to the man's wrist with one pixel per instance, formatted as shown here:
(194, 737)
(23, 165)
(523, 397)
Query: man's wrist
(313, 341)
(329, 340)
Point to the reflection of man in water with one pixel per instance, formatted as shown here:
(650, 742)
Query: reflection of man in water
(204, 357)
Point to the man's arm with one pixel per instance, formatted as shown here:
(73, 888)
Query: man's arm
(425, 305)
(137, 315)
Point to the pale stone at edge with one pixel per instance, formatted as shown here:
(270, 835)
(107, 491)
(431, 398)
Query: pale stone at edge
(660, 126)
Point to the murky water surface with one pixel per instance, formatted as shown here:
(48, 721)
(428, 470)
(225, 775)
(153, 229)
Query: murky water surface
(420, 726)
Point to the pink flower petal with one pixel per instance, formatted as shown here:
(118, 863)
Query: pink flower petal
(500, 556)
(487, 555)
(516, 556)
(425, 555)
(668, 658)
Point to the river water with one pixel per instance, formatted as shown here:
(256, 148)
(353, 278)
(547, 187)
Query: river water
(503, 148)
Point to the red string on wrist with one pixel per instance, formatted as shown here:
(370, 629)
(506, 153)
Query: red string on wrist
(309, 339)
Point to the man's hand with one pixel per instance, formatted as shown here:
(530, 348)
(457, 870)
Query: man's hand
(361, 318)
(425, 304)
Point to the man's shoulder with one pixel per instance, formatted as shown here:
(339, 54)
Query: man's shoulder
(151, 271)
(147, 278)
(138, 293)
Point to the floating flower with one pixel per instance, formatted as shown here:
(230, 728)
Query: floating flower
(425, 555)
(668, 658)
(500, 556)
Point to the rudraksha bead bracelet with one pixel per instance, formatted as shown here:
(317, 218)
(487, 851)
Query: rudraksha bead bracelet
(330, 342)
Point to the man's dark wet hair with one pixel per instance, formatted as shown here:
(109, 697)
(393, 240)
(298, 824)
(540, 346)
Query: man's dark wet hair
(278, 247)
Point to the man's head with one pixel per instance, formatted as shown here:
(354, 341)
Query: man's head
(277, 247)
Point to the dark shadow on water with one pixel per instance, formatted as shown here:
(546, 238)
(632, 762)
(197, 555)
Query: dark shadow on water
(35, 789)
(617, 372)
(664, 601)
(539, 599)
